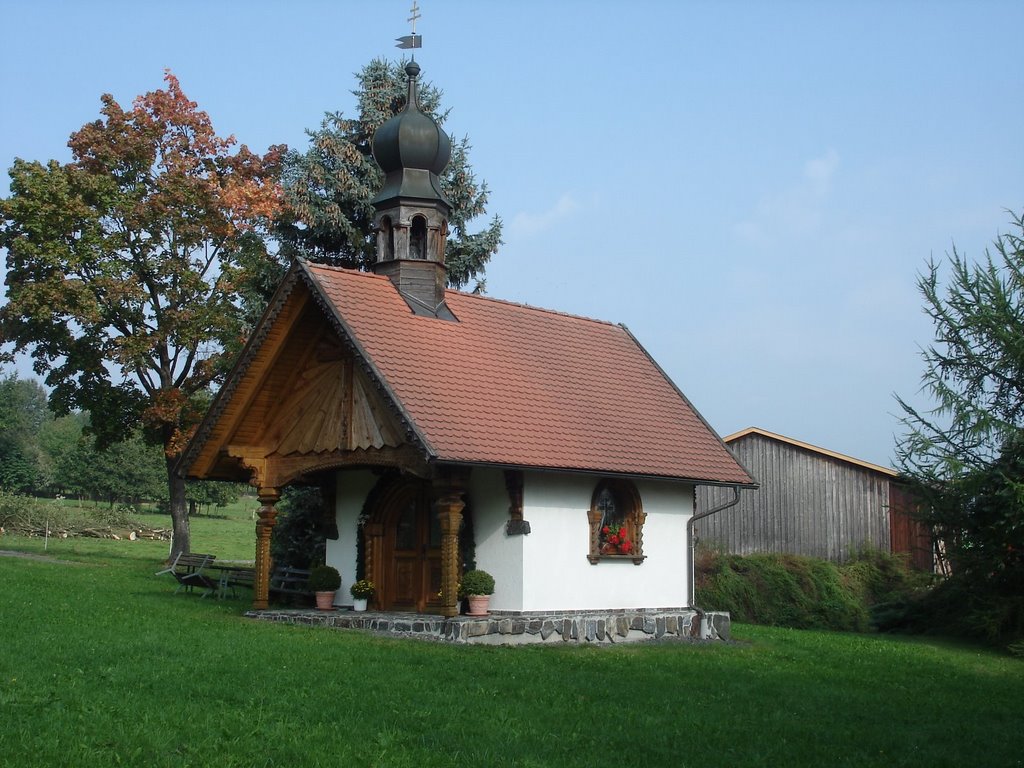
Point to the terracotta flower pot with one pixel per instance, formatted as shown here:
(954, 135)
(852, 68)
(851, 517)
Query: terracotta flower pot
(325, 601)
(478, 605)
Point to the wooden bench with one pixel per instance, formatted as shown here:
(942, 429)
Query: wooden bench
(232, 576)
(290, 584)
(188, 570)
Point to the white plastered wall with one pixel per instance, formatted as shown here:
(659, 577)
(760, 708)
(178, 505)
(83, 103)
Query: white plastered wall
(497, 553)
(352, 489)
(556, 574)
(548, 569)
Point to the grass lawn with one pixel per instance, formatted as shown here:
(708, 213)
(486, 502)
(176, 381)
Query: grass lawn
(101, 665)
(228, 532)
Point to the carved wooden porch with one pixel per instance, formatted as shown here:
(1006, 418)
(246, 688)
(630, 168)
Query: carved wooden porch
(300, 403)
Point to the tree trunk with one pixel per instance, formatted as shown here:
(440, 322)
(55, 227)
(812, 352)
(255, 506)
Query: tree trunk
(182, 541)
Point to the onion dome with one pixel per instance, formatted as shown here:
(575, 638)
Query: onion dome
(411, 149)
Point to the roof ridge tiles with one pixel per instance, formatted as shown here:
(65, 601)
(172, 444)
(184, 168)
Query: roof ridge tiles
(474, 296)
(534, 308)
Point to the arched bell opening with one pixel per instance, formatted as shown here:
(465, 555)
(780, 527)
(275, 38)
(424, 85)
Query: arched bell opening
(418, 238)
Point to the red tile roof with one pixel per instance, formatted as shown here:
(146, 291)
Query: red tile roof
(513, 385)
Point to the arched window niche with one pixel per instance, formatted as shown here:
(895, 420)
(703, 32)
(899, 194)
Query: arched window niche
(387, 239)
(616, 520)
(418, 238)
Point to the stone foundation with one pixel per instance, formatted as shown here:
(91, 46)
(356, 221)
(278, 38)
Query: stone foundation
(514, 628)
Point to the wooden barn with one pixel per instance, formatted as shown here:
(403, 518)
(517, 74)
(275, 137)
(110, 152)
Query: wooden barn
(813, 502)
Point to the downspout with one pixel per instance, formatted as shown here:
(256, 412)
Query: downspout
(705, 630)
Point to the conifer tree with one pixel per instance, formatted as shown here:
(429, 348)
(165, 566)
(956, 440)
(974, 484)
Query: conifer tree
(965, 456)
(329, 186)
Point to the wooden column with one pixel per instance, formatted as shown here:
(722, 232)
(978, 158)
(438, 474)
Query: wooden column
(264, 526)
(449, 506)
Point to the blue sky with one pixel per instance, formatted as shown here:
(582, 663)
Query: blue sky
(750, 187)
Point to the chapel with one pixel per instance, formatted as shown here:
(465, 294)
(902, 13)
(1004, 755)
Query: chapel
(450, 430)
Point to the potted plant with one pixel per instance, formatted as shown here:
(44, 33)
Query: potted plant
(324, 581)
(615, 540)
(477, 587)
(362, 591)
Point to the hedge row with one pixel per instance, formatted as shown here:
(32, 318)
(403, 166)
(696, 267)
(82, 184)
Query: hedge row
(804, 592)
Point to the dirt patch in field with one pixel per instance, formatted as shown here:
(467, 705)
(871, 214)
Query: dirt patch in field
(41, 558)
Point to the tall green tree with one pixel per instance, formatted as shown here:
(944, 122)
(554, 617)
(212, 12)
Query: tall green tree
(207, 493)
(131, 470)
(123, 266)
(329, 186)
(23, 413)
(965, 455)
(974, 368)
(59, 441)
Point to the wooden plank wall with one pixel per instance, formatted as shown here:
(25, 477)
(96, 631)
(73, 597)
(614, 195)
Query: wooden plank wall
(808, 504)
(908, 534)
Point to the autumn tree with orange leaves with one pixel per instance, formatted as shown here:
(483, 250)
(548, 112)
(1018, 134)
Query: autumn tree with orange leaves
(123, 268)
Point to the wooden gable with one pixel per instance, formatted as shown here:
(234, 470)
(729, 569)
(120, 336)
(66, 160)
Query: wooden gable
(299, 402)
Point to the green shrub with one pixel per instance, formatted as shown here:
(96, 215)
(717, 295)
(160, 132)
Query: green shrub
(13, 508)
(980, 611)
(476, 583)
(22, 513)
(324, 578)
(299, 538)
(121, 516)
(801, 592)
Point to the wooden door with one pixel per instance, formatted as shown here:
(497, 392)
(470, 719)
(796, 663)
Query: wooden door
(412, 541)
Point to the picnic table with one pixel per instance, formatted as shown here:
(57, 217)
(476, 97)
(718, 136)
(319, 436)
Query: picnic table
(192, 570)
(231, 576)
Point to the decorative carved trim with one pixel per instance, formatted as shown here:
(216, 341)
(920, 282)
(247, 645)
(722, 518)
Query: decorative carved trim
(412, 434)
(516, 525)
(449, 487)
(237, 374)
(594, 526)
(279, 471)
(264, 527)
(448, 508)
(630, 509)
(253, 459)
(517, 528)
(287, 469)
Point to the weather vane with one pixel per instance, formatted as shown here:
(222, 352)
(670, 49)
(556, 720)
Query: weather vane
(413, 40)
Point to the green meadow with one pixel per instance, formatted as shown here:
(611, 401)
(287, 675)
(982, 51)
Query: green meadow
(103, 665)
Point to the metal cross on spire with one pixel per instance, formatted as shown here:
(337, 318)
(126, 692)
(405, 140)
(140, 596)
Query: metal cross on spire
(415, 11)
(413, 40)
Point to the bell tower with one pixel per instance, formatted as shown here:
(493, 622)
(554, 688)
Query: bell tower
(411, 210)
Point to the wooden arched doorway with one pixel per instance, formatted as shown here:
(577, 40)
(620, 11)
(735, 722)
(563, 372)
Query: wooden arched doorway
(408, 571)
